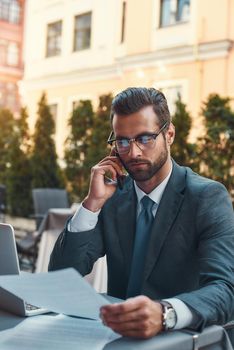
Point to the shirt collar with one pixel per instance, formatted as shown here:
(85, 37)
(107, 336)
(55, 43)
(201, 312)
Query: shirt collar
(157, 192)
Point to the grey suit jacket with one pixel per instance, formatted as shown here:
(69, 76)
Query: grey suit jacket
(191, 250)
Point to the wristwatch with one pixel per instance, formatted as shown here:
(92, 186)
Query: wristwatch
(169, 315)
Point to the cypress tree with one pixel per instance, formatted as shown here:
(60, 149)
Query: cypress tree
(217, 147)
(101, 130)
(45, 169)
(6, 132)
(182, 151)
(76, 148)
(19, 172)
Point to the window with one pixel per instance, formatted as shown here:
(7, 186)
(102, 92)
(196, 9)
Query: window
(174, 11)
(13, 54)
(123, 21)
(9, 53)
(10, 11)
(54, 35)
(82, 33)
(9, 96)
(14, 13)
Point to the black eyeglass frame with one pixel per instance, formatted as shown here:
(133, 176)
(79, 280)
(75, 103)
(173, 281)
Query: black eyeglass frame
(154, 135)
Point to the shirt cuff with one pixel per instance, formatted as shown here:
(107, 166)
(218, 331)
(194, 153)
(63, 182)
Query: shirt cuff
(184, 315)
(83, 220)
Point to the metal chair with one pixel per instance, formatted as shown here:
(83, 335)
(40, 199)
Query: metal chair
(2, 202)
(46, 198)
(43, 200)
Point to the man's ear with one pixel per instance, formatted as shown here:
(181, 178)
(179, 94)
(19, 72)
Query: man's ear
(170, 136)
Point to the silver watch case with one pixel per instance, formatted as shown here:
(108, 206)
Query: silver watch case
(169, 316)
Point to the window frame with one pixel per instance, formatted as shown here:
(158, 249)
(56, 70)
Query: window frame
(176, 20)
(10, 11)
(123, 21)
(57, 49)
(84, 30)
(13, 54)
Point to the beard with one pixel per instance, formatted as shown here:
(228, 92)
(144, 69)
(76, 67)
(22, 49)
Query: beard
(148, 170)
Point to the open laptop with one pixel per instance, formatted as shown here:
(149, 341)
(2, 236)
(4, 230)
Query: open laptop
(9, 265)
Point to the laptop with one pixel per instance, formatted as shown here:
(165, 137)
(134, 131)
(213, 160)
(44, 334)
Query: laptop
(9, 265)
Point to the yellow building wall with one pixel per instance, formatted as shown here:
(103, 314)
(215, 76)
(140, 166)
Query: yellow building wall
(210, 24)
(138, 30)
(198, 55)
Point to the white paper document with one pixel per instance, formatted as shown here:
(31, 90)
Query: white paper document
(63, 291)
(58, 332)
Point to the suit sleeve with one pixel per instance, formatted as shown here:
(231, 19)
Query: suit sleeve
(213, 302)
(79, 250)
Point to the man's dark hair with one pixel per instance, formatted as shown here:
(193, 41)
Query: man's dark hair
(133, 99)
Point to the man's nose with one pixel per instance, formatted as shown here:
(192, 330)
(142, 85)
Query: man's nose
(134, 149)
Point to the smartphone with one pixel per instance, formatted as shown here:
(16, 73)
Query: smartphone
(120, 178)
(120, 181)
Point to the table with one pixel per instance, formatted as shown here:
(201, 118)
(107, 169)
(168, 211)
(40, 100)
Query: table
(212, 338)
(50, 228)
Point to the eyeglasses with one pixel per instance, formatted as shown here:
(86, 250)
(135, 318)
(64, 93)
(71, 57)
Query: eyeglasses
(144, 141)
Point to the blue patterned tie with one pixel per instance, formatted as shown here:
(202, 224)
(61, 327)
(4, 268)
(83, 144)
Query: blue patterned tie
(142, 236)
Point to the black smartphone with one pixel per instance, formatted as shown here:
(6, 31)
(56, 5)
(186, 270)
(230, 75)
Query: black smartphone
(119, 182)
(120, 179)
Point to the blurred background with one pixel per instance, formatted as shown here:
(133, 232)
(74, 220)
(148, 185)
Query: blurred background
(62, 61)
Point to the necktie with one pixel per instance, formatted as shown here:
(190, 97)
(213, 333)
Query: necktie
(142, 236)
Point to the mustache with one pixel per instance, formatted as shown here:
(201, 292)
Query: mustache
(137, 161)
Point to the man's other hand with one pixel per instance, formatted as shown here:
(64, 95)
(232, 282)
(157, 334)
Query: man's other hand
(138, 317)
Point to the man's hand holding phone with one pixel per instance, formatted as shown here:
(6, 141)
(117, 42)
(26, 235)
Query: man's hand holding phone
(119, 178)
(105, 177)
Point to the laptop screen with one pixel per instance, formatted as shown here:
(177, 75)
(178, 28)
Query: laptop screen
(9, 263)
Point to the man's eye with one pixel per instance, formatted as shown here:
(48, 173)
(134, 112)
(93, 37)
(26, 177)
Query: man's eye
(123, 143)
(144, 139)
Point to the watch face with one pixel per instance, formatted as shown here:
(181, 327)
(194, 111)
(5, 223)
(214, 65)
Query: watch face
(171, 318)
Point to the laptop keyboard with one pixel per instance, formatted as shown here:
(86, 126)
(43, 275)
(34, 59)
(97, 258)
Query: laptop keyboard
(30, 307)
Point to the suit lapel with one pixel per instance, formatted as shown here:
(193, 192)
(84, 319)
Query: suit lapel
(166, 214)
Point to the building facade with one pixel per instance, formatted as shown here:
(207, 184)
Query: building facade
(81, 49)
(11, 48)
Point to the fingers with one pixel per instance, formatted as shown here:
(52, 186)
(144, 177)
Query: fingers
(113, 162)
(138, 317)
(103, 182)
(130, 304)
(109, 168)
(132, 309)
(107, 171)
